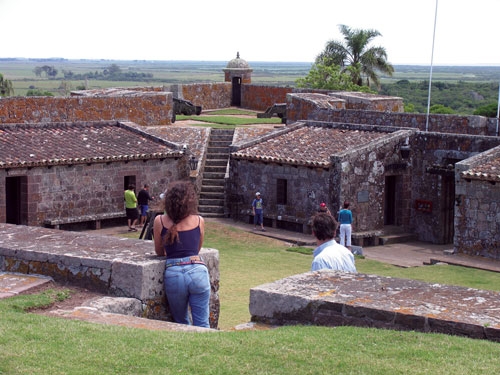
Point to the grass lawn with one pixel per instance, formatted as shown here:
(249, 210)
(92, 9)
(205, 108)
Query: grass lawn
(36, 344)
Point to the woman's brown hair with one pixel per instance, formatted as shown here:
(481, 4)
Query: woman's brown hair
(180, 202)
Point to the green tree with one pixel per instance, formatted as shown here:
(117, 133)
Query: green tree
(328, 77)
(441, 109)
(356, 57)
(38, 71)
(409, 108)
(112, 70)
(489, 110)
(6, 88)
(38, 92)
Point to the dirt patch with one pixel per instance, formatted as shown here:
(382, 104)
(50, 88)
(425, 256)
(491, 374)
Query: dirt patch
(77, 297)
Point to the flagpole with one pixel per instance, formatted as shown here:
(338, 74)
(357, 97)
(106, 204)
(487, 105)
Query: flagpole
(430, 78)
(498, 107)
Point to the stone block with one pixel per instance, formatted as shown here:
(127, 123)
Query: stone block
(332, 298)
(141, 280)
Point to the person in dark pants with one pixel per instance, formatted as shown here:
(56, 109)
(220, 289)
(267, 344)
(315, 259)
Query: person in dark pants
(131, 207)
(258, 212)
(143, 199)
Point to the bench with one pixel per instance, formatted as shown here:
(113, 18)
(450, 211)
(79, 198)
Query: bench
(96, 218)
(285, 222)
(369, 238)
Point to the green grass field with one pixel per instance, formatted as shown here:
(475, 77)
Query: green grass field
(21, 73)
(36, 344)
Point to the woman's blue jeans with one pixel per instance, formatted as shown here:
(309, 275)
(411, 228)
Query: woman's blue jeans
(188, 286)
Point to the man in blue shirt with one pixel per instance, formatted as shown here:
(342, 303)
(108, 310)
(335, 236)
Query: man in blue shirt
(329, 254)
(143, 199)
(258, 212)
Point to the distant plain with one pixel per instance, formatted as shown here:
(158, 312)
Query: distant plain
(480, 81)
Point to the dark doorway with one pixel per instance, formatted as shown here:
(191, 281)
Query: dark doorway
(127, 181)
(16, 200)
(390, 201)
(448, 210)
(236, 94)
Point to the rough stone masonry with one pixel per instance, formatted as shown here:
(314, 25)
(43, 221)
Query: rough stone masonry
(333, 298)
(120, 267)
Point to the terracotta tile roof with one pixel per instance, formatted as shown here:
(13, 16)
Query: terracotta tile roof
(29, 145)
(195, 137)
(306, 145)
(243, 135)
(487, 171)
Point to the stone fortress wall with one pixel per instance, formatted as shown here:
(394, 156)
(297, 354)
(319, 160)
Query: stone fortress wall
(154, 106)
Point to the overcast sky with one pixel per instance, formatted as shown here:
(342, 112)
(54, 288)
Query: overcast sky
(467, 32)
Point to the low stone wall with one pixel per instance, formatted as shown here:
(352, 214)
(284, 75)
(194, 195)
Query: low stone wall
(258, 97)
(143, 108)
(477, 217)
(332, 298)
(207, 95)
(472, 125)
(121, 267)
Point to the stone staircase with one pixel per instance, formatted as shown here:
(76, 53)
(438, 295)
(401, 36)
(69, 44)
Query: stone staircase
(212, 194)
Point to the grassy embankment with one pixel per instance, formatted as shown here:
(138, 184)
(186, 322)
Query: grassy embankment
(37, 344)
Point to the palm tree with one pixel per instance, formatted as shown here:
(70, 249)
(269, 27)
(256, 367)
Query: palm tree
(356, 57)
(6, 88)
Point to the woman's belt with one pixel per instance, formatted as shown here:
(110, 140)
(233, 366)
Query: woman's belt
(195, 259)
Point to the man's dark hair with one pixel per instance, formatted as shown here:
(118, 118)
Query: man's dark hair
(324, 226)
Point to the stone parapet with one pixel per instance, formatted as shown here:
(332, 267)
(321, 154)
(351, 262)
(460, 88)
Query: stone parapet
(332, 298)
(143, 108)
(121, 267)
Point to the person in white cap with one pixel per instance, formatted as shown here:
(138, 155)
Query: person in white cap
(258, 212)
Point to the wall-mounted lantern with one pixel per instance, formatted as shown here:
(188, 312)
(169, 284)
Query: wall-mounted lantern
(193, 163)
(404, 150)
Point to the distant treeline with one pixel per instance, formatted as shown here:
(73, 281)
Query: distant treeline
(462, 97)
(111, 73)
(460, 89)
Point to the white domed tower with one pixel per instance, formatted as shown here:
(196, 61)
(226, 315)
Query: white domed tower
(237, 72)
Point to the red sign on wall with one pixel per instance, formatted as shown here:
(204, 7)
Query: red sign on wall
(423, 206)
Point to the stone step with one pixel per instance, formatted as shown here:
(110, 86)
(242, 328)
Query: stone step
(222, 131)
(218, 156)
(214, 175)
(95, 316)
(397, 238)
(216, 162)
(218, 143)
(213, 215)
(213, 189)
(218, 150)
(213, 182)
(212, 195)
(210, 209)
(221, 137)
(215, 168)
(212, 202)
